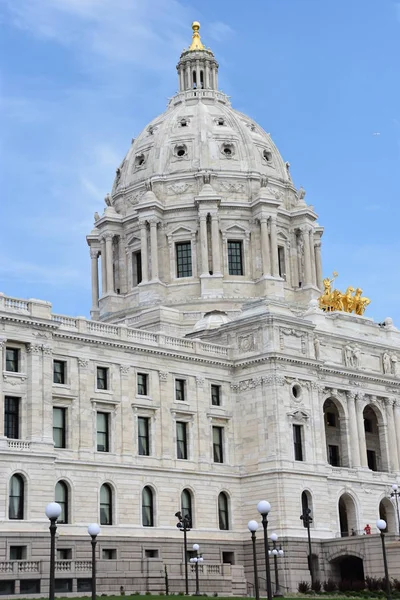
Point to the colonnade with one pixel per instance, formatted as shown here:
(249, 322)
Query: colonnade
(210, 74)
(312, 266)
(356, 404)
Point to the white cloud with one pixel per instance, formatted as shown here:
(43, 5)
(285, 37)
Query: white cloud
(129, 31)
(219, 31)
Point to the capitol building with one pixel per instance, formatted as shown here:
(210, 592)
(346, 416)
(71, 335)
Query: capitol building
(219, 368)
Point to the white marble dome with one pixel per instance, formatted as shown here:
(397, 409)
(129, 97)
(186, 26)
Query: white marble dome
(212, 320)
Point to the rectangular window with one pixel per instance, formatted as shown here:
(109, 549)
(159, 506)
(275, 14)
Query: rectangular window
(144, 436)
(235, 258)
(12, 360)
(181, 440)
(18, 552)
(59, 371)
(333, 455)
(215, 395)
(180, 390)
(137, 267)
(371, 459)
(64, 553)
(218, 440)
(109, 554)
(149, 553)
(11, 417)
(59, 428)
(142, 380)
(298, 442)
(29, 586)
(102, 378)
(281, 262)
(183, 259)
(102, 432)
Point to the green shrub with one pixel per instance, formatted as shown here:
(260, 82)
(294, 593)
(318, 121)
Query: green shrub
(304, 587)
(330, 585)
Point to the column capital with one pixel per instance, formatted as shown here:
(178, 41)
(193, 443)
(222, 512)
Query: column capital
(351, 396)
(94, 253)
(389, 401)
(202, 217)
(153, 221)
(317, 244)
(143, 224)
(108, 235)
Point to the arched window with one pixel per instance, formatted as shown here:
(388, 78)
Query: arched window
(223, 511)
(147, 507)
(16, 498)
(105, 505)
(347, 515)
(62, 499)
(306, 502)
(186, 505)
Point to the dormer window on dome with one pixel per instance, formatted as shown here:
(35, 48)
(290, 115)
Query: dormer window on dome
(220, 121)
(267, 155)
(140, 160)
(180, 150)
(228, 150)
(183, 122)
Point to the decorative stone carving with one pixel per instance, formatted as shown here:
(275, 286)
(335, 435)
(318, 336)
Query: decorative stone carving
(248, 384)
(232, 187)
(246, 343)
(200, 381)
(283, 331)
(274, 378)
(14, 380)
(277, 194)
(386, 363)
(135, 198)
(47, 350)
(351, 356)
(124, 369)
(298, 416)
(163, 375)
(83, 362)
(179, 188)
(33, 348)
(317, 349)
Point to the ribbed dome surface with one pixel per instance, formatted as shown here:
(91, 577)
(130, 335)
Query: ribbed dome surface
(199, 131)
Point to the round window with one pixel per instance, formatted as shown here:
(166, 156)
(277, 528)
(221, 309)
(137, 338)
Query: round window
(228, 150)
(180, 150)
(296, 391)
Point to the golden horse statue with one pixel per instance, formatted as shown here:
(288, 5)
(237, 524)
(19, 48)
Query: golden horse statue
(349, 302)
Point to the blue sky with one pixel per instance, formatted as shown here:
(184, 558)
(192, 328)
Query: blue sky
(80, 78)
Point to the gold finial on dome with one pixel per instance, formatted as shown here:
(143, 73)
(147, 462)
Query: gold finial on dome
(196, 41)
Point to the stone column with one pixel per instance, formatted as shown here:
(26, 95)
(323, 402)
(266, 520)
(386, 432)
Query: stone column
(318, 264)
(45, 428)
(396, 408)
(3, 342)
(213, 78)
(216, 77)
(103, 267)
(307, 257)
(95, 279)
(312, 257)
(143, 250)
(361, 430)
(204, 245)
(31, 427)
(181, 80)
(109, 262)
(265, 253)
(355, 449)
(207, 76)
(188, 78)
(393, 458)
(274, 248)
(216, 253)
(154, 249)
(198, 75)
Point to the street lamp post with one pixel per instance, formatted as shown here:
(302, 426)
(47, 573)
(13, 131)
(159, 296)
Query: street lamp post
(184, 525)
(196, 560)
(93, 531)
(395, 493)
(53, 511)
(275, 554)
(252, 527)
(263, 508)
(381, 525)
(307, 520)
